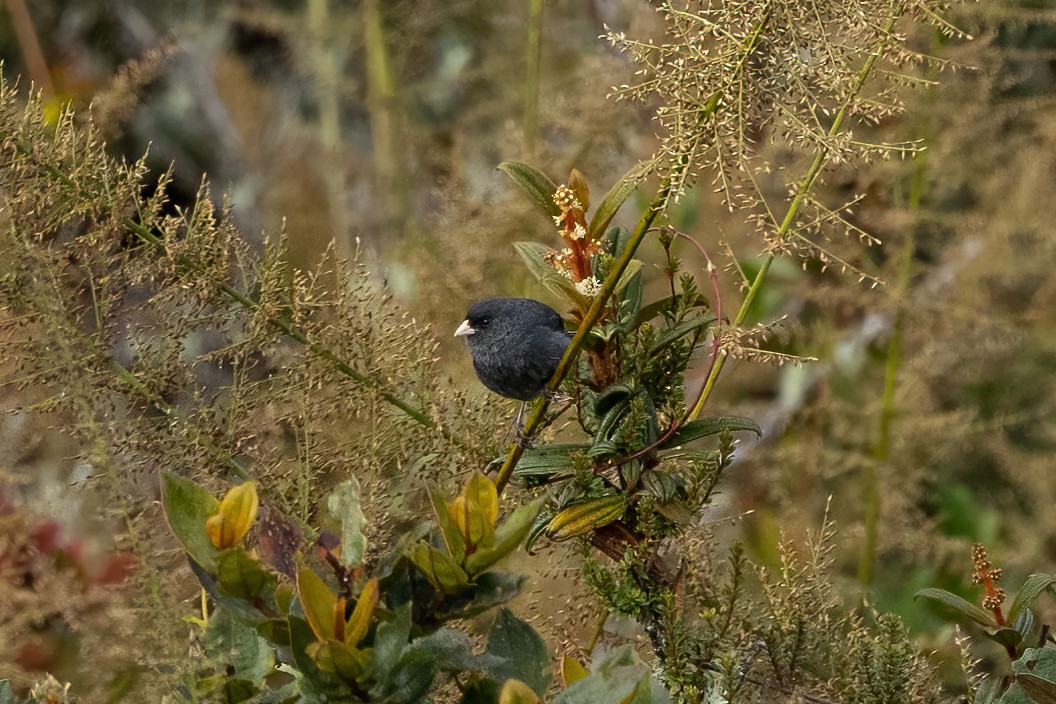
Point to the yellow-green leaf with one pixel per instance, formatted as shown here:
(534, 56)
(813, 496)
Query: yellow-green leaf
(571, 670)
(238, 510)
(441, 571)
(318, 603)
(475, 510)
(359, 621)
(508, 536)
(456, 544)
(586, 516)
(517, 692)
(346, 662)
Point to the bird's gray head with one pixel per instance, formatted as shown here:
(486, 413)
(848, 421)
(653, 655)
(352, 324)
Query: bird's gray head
(496, 319)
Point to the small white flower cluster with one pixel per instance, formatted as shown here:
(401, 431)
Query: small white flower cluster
(589, 286)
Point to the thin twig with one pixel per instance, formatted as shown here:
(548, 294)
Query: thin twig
(803, 190)
(289, 330)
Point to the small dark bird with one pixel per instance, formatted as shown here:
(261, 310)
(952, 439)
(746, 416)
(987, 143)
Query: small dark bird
(516, 344)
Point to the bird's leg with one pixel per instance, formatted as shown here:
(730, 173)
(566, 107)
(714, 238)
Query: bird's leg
(515, 433)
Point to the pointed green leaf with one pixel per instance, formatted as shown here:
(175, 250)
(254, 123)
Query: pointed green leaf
(672, 335)
(612, 201)
(344, 505)
(508, 536)
(652, 310)
(187, 507)
(441, 571)
(705, 427)
(539, 189)
(548, 460)
(533, 254)
(1029, 593)
(959, 605)
(317, 601)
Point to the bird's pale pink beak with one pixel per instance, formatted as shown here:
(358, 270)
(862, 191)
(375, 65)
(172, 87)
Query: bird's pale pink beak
(464, 329)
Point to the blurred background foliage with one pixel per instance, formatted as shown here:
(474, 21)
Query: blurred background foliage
(928, 421)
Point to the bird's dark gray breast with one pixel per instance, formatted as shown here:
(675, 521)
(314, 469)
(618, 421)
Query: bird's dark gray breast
(518, 365)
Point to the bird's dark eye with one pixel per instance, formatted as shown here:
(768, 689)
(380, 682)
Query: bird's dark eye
(484, 321)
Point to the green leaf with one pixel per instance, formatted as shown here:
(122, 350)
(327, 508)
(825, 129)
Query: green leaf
(705, 427)
(441, 571)
(301, 638)
(1029, 593)
(229, 642)
(187, 507)
(539, 527)
(390, 640)
(456, 544)
(345, 661)
(533, 254)
(652, 310)
(359, 622)
(619, 677)
(344, 505)
(1024, 624)
(629, 299)
(508, 536)
(958, 605)
(452, 651)
(318, 603)
(1035, 672)
(612, 201)
(522, 653)
(410, 680)
(539, 189)
(490, 590)
(672, 335)
(548, 460)
(241, 576)
(663, 485)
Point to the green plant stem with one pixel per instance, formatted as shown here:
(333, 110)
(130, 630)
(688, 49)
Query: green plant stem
(597, 307)
(882, 449)
(531, 83)
(535, 419)
(289, 330)
(803, 190)
(384, 121)
(326, 67)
